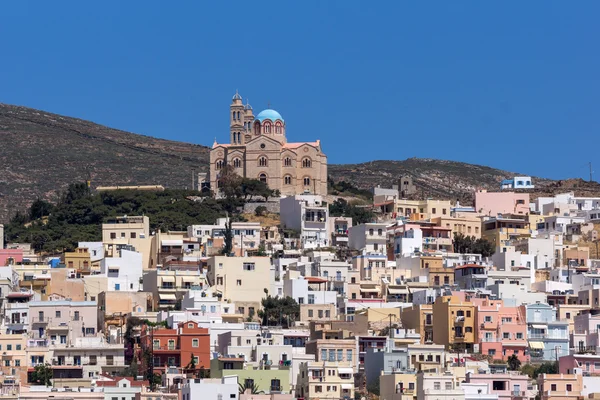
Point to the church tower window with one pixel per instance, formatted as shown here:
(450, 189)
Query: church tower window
(306, 181)
(237, 163)
(219, 164)
(287, 162)
(306, 163)
(238, 115)
(287, 180)
(262, 161)
(262, 178)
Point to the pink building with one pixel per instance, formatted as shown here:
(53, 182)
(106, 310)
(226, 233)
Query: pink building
(585, 331)
(588, 363)
(11, 256)
(511, 385)
(501, 330)
(494, 203)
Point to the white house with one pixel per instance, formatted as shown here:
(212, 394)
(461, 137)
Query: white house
(125, 272)
(225, 388)
(309, 215)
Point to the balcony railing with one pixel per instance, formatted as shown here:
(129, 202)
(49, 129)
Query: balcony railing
(41, 320)
(166, 348)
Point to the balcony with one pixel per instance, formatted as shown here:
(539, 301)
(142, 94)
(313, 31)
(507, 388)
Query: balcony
(41, 320)
(285, 364)
(166, 348)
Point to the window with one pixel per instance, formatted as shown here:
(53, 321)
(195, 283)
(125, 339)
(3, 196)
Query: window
(237, 163)
(318, 389)
(287, 162)
(444, 212)
(113, 235)
(553, 387)
(437, 386)
(156, 344)
(219, 165)
(323, 354)
(506, 335)
(468, 314)
(331, 354)
(311, 299)
(287, 180)
(568, 315)
(349, 355)
(306, 163)
(239, 282)
(195, 343)
(57, 314)
(306, 181)
(340, 355)
(249, 266)
(320, 313)
(310, 313)
(327, 314)
(519, 335)
(262, 161)
(9, 347)
(262, 178)
(18, 347)
(433, 211)
(448, 386)
(488, 318)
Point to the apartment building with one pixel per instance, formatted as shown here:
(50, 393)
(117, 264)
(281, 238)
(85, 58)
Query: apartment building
(123, 272)
(506, 386)
(15, 310)
(420, 318)
(368, 238)
(174, 348)
(14, 359)
(495, 203)
(501, 230)
(241, 280)
(169, 284)
(468, 224)
(455, 322)
(319, 380)
(308, 215)
(63, 321)
(560, 386)
(131, 232)
(339, 228)
(548, 338)
(86, 357)
(436, 385)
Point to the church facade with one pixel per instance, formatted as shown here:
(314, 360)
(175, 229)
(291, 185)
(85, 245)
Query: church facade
(258, 149)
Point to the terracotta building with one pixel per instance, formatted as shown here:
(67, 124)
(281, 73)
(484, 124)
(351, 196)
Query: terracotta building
(259, 150)
(175, 347)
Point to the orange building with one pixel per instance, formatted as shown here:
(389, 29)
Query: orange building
(176, 347)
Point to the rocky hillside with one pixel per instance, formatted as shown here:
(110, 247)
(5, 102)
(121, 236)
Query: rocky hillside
(41, 153)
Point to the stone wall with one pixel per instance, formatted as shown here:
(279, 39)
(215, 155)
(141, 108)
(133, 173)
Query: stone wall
(272, 206)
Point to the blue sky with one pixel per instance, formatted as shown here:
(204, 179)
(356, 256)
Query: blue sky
(513, 85)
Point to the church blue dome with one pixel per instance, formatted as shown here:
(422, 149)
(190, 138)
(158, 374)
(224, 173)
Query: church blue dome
(269, 114)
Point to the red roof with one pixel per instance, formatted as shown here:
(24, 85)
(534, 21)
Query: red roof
(315, 279)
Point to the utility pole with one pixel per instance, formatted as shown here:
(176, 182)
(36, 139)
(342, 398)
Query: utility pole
(390, 326)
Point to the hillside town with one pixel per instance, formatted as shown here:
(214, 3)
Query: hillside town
(297, 294)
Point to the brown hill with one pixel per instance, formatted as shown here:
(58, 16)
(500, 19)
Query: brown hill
(41, 153)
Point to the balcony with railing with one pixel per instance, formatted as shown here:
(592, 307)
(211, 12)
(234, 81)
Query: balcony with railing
(41, 320)
(166, 348)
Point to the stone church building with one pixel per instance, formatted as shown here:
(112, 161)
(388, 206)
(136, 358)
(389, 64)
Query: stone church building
(259, 149)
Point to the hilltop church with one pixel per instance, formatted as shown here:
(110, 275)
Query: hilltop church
(258, 149)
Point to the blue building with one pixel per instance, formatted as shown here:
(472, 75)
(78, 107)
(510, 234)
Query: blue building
(548, 338)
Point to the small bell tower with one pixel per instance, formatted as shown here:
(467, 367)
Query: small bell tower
(237, 116)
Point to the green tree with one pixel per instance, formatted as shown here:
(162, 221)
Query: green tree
(279, 311)
(513, 362)
(42, 375)
(228, 238)
(260, 211)
(360, 215)
(468, 244)
(373, 387)
(40, 208)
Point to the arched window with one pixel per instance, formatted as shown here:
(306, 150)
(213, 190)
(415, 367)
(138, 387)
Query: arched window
(287, 180)
(257, 128)
(287, 162)
(237, 163)
(278, 128)
(233, 115)
(234, 137)
(238, 115)
(262, 161)
(306, 163)
(239, 135)
(219, 164)
(307, 181)
(262, 178)
(267, 127)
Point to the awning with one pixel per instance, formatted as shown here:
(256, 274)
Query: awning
(347, 386)
(168, 278)
(539, 326)
(536, 345)
(369, 290)
(188, 279)
(167, 296)
(113, 267)
(397, 291)
(175, 242)
(347, 371)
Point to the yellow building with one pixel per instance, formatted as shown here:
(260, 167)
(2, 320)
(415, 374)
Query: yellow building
(80, 260)
(169, 284)
(466, 224)
(397, 386)
(454, 322)
(317, 312)
(377, 318)
(422, 209)
(560, 386)
(241, 280)
(14, 359)
(323, 380)
(420, 318)
(130, 230)
(501, 229)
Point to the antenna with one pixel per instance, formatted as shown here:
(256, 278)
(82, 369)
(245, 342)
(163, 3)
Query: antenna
(591, 173)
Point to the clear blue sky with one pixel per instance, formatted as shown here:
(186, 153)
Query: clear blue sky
(513, 85)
